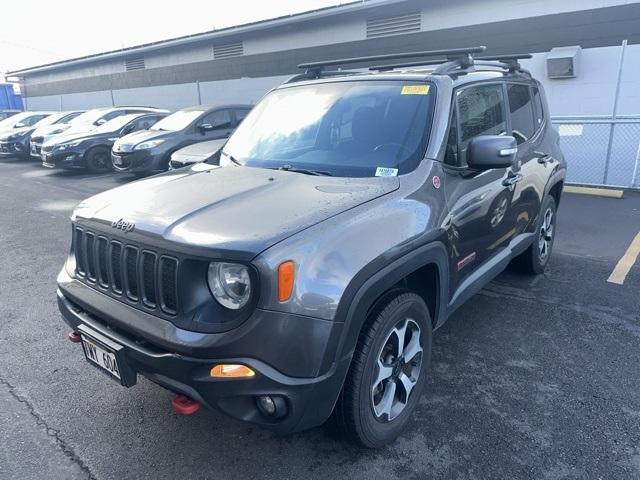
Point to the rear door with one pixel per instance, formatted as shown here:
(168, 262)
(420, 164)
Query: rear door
(479, 223)
(527, 129)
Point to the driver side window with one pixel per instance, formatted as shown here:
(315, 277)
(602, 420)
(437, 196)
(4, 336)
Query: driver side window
(219, 120)
(481, 111)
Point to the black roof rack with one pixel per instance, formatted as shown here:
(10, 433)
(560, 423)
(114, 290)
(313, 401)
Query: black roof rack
(450, 61)
(461, 55)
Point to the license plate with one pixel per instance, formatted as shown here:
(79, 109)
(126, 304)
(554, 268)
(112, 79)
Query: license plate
(101, 357)
(106, 355)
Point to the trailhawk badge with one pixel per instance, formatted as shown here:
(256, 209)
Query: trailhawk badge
(123, 225)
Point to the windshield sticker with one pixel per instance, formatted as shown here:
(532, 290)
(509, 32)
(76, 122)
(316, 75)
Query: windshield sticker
(386, 172)
(415, 90)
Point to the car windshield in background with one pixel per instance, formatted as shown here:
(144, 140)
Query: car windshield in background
(115, 124)
(178, 120)
(357, 129)
(89, 117)
(50, 120)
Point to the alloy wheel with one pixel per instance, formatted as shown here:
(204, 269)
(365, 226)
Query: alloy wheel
(398, 369)
(545, 239)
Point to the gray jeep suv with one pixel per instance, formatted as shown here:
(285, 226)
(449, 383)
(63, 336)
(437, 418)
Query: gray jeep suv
(351, 215)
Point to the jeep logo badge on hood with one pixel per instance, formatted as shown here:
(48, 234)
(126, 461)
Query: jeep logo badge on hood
(123, 225)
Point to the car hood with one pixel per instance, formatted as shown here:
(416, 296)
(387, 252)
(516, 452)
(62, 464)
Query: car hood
(199, 151)
(126, 143)
(51, 130)
(5, 134)
(232, 212)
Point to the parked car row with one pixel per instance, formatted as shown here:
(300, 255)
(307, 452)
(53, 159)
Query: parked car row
(140, 140)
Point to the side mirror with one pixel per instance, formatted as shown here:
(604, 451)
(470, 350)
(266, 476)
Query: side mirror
(19, 125)
(486, 152)
(101, 121)
(205, 127)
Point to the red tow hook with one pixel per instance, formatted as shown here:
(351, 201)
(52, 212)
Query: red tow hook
(185, 405)
(74, 337)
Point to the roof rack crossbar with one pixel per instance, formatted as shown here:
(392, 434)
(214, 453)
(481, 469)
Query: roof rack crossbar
(450, 54)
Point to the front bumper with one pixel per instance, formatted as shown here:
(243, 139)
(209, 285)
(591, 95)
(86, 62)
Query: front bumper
(12, 149)
(66, 159)
(181, 361)
(139, 161)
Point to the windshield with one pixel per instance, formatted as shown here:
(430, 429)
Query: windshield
(89, 117)
(50, 120)
(115, 124)
(178, 120)
(359, 129)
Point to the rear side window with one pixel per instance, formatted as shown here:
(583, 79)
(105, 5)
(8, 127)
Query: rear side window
(521, 111)
(480, 112)
(537, 106)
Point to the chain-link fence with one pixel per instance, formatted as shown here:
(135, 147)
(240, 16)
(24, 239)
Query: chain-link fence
(601, 150)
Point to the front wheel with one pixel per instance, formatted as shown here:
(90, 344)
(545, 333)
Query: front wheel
(99, 160)
(388, 371)
(534, 259)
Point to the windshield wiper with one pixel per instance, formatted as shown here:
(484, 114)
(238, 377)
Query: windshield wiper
(291, 168)
(231, 157)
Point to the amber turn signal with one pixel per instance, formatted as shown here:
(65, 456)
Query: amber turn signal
(232, 371)
(286, 279)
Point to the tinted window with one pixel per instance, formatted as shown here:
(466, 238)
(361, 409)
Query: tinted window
(114, 114)
(521, 110)
(241, 113)
(145, 123)
(481, 112)
(537, 106)
(27, 122)
(220, 119)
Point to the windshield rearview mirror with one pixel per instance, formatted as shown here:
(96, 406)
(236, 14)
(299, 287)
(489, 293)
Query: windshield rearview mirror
(487, 152)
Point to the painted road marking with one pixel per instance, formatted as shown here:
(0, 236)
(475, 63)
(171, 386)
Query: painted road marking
(598, 192)
(626, 262)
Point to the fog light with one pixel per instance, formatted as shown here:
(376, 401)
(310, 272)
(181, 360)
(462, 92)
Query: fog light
(267, 405)
(273, 406)
(232, 371)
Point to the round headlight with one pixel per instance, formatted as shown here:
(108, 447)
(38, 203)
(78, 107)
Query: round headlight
(230, 284)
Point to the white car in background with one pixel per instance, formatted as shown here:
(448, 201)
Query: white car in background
(87, 121)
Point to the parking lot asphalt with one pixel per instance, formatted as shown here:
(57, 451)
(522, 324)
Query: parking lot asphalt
(535, 377)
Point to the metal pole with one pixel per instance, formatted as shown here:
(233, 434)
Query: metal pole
(634, 179)
(60, 103)
(113, 103)
(615, 114)
(199, 94)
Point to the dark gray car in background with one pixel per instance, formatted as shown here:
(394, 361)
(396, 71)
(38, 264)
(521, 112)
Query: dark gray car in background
(350, 216)
(150, 151)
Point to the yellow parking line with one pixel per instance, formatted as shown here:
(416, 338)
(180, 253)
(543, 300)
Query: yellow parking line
(598, 192)
(626, 262)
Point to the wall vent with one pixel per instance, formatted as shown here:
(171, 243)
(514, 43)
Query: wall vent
(563, 62)
(228, 50)
(136, 63)
(396, 25)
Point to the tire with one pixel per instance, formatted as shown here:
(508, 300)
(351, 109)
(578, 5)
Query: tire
(98, 160)
(374, 414)
(534, 260)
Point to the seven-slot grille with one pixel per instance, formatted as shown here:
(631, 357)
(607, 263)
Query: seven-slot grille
(125, 270)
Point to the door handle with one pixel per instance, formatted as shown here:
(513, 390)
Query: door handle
(512, 179)
(543, 158)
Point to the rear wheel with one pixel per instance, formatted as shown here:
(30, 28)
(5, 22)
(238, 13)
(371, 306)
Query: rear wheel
(99, 160)
(388, 371)
(534, 260)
